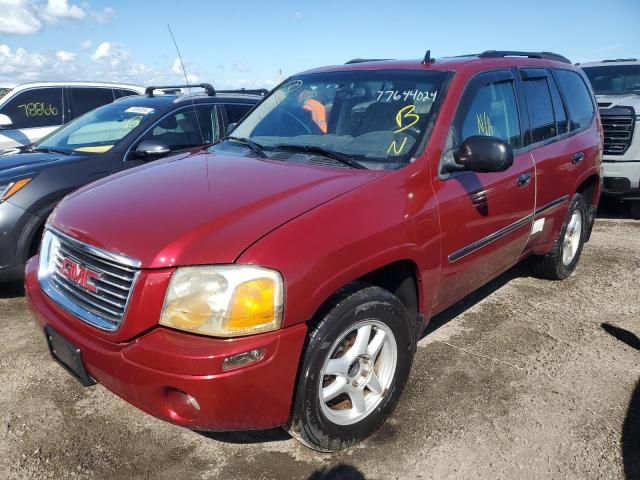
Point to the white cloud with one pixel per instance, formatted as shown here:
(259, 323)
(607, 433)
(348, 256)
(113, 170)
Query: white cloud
(60, 9)
(176, 69)
(240, 67)
(19, 17)
(86, 45)
(104, 16)
(65, 56)
(112, 54)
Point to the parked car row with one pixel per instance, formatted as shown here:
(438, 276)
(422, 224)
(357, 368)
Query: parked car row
(282, 274)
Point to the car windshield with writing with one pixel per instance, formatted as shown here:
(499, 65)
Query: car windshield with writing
(614, 79)
(372, 119)
(97, 131)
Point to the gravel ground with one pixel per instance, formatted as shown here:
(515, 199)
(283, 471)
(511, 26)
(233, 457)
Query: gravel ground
(520, 380)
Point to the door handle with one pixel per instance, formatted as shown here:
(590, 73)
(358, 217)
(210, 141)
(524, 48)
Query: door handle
(577, 158)
(524, 179)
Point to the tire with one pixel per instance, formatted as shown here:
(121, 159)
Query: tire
(634, 209)
(563, 258)
(364, 334)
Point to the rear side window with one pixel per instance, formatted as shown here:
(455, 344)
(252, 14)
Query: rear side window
(84, 100)
(122, 92)
(538, 96)
(491, 111)
(236, 112)
(39, 107)
(558, 108)
(577, 98)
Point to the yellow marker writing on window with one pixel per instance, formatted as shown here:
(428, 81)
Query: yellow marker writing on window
(394, 149)
(406, 114)
(484, 124)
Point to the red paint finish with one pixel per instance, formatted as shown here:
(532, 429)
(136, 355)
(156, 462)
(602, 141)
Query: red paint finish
(320, 227)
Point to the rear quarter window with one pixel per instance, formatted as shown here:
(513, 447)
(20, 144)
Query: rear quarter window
(577, 98)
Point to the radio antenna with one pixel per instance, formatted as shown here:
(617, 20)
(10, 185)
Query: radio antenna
(186, 79)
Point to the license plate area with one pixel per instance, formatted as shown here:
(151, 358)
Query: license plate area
(67, 355)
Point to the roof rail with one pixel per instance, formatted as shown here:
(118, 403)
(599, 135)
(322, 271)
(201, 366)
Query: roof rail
(620, 60)
(206, 86)
(514, 53)
(263, 92)
(364, 60)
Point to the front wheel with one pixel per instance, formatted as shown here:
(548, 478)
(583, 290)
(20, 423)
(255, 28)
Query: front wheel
(356, 364)
(565, 254)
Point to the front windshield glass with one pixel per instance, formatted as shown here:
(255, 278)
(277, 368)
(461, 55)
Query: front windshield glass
(614, 79)
(98, 131)
(376, 118)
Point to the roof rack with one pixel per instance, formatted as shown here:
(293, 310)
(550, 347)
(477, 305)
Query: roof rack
(514, 53)
(256, 91)
(620, 60)
(364, 60)
(206, 86)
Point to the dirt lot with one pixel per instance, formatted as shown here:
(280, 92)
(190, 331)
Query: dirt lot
(520, 380)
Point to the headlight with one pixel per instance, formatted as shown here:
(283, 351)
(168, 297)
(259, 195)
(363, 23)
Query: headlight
(11, 188)
(224, 301)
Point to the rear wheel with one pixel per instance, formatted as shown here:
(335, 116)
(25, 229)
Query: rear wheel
(634, 209)
(565, 254)
(356, 364)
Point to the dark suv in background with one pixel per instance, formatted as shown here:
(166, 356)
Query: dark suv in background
(115, 137)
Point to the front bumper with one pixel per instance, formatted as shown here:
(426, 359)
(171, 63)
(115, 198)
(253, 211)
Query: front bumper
(12, 222)
(622, 180)
(147, 371)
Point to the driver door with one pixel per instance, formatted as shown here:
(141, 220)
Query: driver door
(485, 218)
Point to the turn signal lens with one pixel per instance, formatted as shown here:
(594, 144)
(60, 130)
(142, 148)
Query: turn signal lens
(13, 188)
(224, 301)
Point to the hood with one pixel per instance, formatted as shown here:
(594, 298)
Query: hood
(203, 209)
(15, 164)
(626, 100)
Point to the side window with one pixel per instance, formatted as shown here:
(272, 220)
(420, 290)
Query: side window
(83, 99)
(540, 106)
(577, 97)
(491, 110)
(40, 107)
(235, 112)
(562, 126)
(122, 92)
(183, 129)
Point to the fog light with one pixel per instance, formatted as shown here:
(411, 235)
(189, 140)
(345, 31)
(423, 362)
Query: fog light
(182, 404)
(242, 359)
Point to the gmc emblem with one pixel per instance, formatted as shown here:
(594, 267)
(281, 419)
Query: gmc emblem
(79, 274)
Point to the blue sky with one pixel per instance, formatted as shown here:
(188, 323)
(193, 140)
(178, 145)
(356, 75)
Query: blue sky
(246, 43)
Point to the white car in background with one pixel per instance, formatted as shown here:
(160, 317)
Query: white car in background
(29, 111)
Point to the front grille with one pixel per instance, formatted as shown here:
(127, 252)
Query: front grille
(103, 300)
(618, 131)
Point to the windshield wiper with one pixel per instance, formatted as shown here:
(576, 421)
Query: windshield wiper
(50, 150)
(342, 158)
(253, 146)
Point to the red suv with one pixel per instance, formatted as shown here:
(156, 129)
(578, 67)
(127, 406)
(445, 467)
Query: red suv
(284, 275)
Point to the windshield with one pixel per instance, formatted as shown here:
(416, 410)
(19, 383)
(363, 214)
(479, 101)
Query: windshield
(376, 118)
(614, 79)
(97, 131)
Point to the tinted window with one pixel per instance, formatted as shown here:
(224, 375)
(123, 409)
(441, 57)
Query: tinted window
(236, 112)
(121, 92)
(577, 97)
(492, 111)
(538, 96)
(182, 130)
(41, 107)
(558, 108)
(84, 100)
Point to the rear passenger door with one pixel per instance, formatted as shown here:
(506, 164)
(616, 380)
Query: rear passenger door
(234, 112)
(85, 99)
(558, 154)
(485, 217)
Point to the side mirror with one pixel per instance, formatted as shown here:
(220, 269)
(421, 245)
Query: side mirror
(5, 121)
(484, 154)
(230, 128)
(149, 149)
